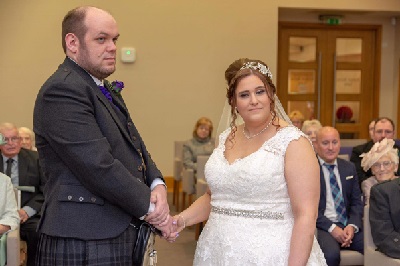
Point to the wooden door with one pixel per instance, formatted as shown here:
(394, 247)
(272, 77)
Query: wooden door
(330, 73)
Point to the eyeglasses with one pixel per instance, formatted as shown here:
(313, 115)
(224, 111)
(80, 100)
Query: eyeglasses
(386, 165)
(12, 139)
(381, 131)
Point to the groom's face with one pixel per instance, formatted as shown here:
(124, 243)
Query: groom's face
(97, 50)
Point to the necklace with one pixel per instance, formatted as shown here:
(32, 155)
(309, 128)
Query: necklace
(250, 137)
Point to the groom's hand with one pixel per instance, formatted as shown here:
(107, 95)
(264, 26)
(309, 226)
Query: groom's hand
(167, 228)
(161, 212)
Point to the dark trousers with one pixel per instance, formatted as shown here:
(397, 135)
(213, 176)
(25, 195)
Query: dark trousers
(331, 248)
(55, 251)
(28, 233)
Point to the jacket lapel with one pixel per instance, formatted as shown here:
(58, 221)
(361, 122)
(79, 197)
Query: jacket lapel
(107, 104)
(22, 169)
(343, 175)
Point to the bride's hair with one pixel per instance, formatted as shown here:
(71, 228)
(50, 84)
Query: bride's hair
(240, 69)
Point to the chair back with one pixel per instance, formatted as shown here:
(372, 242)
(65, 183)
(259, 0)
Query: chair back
(201, 163)
(352, 142)
(368, 241)
(178, 159)
(17, 193)
(178, 149)
(345, 152)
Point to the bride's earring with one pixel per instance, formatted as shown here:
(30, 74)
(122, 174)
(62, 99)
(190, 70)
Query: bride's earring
(236, 110)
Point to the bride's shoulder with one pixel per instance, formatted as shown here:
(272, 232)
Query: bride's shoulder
(290, 132)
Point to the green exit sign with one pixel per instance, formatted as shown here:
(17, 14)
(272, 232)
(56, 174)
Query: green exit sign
(332, 21)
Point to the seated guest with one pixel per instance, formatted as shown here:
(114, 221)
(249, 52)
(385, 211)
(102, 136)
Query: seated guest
(383, 160)
(9, 218)
(200, 144)
(340, 207)
(22, 166)
(310, 128)
(384, 128)
(27, 138)
(297, 119)
(384, 216)
(371, 126)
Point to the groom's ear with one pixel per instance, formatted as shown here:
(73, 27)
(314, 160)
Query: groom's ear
(72, 43)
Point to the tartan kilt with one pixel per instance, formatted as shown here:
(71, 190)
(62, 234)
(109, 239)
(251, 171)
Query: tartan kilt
(54, 251)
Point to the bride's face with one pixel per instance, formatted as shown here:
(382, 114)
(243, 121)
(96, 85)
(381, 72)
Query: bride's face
(252, 100)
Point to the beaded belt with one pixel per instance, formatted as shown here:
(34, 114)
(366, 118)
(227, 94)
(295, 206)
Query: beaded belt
(248, 214)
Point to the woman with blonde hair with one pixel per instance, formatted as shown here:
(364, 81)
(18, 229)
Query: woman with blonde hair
(383, 160)
(200, 144)
(297, 118)
(310, 128)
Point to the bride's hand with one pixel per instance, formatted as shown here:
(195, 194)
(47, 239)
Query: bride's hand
(178, 224)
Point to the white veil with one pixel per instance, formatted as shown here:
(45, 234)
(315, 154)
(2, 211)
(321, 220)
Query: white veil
(226, 117)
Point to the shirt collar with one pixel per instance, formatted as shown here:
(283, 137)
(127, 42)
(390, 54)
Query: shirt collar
(5, 158)
(321, 161)
(96, 80)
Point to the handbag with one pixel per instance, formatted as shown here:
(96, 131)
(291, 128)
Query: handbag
(144, 253)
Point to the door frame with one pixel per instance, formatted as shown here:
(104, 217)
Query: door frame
(357, 27)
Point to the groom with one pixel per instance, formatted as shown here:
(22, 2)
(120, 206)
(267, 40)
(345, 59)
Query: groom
(100, 178)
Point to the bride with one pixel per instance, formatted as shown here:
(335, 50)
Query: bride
(263, 179)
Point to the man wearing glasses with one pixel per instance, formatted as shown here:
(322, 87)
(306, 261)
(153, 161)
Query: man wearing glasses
(22, 166)
(384, 128)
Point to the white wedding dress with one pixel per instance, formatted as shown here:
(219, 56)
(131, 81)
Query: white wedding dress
(254, 183)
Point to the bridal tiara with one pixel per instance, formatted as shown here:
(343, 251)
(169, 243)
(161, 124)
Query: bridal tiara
(258, 66)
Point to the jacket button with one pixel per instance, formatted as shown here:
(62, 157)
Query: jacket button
(129, 124)
(139, 168)
(69, 197)
(81, 198)
(134, 138)
(93, 199)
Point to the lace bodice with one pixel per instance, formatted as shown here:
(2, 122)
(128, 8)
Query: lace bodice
(253, 183)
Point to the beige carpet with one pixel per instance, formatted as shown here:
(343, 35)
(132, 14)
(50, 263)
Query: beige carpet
(179, 253)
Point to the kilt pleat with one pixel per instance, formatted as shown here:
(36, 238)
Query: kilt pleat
(60, 251)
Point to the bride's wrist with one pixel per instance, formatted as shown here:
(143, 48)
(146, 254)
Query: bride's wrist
(181, 221)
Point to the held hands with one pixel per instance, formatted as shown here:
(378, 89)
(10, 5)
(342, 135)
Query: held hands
(160, 218)
(172, 227)
(160, 215)
(343, 236)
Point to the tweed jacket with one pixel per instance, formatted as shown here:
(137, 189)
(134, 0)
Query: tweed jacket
(384, 216)
(97, 167)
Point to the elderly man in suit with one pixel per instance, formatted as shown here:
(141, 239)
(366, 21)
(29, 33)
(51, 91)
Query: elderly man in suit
(340, 207)
(383, 128)
(384, 216)
(101, 178)
(22, 166)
